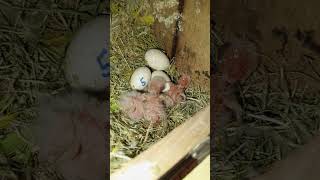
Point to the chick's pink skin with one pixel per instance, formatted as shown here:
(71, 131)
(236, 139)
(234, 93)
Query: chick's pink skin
(154, 109)
(184, 81)
(176, 92)
(167, 100)
(77, 150)
(143, 106)
(156, 85)
(132, 105)
(239, 61)
(151, 105)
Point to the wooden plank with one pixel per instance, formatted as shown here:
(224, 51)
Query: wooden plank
(165, 26)
(187, 38)
(202, 171)
(162, 156)
(193, 42)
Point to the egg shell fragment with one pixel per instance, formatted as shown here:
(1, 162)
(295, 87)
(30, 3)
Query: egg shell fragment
(164, 76)
(161, 74)
(157, 60)
(140, 78)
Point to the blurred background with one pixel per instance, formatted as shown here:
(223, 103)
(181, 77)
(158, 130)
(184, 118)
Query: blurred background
(280, 98)
(34, 37)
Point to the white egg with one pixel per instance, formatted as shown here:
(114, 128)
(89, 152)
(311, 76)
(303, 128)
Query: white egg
(140, 78)
(156, 59)
(161, 74)
(164, 76)
(87, 64)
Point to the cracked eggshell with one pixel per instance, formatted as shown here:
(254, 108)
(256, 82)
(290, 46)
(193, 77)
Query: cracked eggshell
(156, 59)
(161, 74)
(86, 59)
(164, 76)
(140, 78)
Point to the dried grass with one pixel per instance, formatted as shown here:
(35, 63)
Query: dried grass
(129, 41)
(33, 39)
(280, 114)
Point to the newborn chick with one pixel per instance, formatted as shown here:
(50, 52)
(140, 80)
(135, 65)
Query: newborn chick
(239, 61)
(176, 91)
(184, 81)
(146, 106)
(70, 133)
(132, 104)
(154, 110)
(156, 85)
(151, 105)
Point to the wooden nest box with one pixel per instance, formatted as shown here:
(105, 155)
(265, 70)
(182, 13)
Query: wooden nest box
(183, 29)
(184, 33)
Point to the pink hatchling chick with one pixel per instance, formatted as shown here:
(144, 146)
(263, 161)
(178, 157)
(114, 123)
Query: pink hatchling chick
(176, 92)
(156, 85)
(132, 104)
(70, 134)
(150, 106)
(154, 109)
(184, 81)
(239, 61)
(143, 106)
